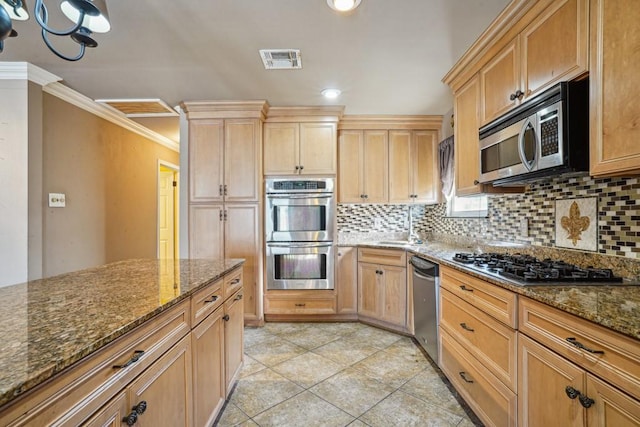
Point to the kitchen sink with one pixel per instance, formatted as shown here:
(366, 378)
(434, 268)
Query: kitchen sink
(394, 243)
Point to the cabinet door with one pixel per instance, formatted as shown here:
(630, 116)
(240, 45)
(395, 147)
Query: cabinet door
(400, 175)
(166, 388)
(611, 407)
(369, 288)
(376, 167)
(233, 338)
(394, 290)
(206, 233)
(500, 78)
(543, 377)
(243, 240)
(467, 141)
(350, 164)
(281, 145)
(206, 166)
(347, 280)
(555, 46)
(242, 160)
(207, 341)
(318, 148)
(112, 414)
(426, 176)
(614, 87)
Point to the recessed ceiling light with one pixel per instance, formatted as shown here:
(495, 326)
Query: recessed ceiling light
(331, 93)
(343, 5)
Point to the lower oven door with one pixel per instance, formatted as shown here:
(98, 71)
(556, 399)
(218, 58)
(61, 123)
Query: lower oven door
(300, 265)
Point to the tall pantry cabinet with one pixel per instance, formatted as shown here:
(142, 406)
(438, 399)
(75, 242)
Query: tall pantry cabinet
(224, 189)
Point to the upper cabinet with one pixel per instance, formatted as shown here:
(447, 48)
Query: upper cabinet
(615, 87)
(552, 47)
(466, 112)
(389, 159)
(301, 141)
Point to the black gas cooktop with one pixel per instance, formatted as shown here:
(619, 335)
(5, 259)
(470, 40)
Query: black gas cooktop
(528, 270)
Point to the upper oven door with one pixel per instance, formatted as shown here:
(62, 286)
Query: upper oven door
(511, 151)
(299, 217)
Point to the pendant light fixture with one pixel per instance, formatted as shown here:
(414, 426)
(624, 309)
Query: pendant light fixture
(343, 5)
(88, 16)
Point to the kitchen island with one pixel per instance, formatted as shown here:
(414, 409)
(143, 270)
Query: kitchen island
(53, 326)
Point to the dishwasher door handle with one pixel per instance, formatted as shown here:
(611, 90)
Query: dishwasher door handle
(429, 278)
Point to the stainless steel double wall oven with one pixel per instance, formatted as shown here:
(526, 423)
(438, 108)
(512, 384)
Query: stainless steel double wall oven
(299, 226)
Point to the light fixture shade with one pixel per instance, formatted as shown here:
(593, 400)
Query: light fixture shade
(343, 5)
(96, 22)
(21, 15)
(331, 93)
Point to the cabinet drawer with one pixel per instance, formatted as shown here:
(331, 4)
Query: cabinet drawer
(497, 302)
(491, 342)
(283, 305)
(232, 282)
(491, 400)
(619, 362)
(383, 256)
(206, 301)
(80, 391)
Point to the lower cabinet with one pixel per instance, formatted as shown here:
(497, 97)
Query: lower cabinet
(347, 280)
(382, 287)
(233, 338)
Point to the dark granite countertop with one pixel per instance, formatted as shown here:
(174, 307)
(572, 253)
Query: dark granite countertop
(49, 324)
(616, 307)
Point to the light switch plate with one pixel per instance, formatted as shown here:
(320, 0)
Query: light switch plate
(57, 200)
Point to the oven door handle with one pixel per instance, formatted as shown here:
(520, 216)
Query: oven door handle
(299, 196)
(300, 245)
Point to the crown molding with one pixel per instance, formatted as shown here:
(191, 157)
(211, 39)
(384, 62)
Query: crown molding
(26, 71)
(327, 113)
(81, 101)
(225, 109)
(390, 122)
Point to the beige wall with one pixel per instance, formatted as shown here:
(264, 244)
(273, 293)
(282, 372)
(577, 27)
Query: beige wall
(109, 176)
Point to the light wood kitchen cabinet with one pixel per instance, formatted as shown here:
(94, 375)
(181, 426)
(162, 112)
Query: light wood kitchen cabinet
(300, 148)
(347, 280)
(611, 407)
(165, 388)
(300, 303)
(112, 414)
(553, 47)
(413, 167)
(224, 158)
(614, 88)
(382, 287)
(233, 339)
(231, 231)
(363, 166)
(209, 385)
(466, 105)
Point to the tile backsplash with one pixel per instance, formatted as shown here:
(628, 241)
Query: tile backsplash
(618, 215)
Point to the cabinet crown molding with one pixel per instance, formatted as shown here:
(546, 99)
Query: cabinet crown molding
(225, 109)
(381, 122)
(330, 114)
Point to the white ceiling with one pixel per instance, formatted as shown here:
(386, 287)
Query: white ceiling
(387, 57)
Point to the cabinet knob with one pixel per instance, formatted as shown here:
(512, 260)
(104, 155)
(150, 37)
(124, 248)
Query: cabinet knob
(238, 297)
(141, 407)
(572, 393)
(226, 317)
(476, 182)
(586, 401)
(220, 190)
(297, 168)
(225, 190)
(131, 418)
(517, 95)
(463, 375)
(301, 167)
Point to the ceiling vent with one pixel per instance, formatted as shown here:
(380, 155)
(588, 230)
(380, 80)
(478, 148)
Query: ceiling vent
(140, 107)
(281, 59)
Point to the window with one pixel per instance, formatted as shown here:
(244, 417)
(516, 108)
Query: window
(472, 206)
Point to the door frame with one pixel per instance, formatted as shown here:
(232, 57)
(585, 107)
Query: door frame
(176, 208)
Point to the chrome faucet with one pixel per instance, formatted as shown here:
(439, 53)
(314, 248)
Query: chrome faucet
(413, 237)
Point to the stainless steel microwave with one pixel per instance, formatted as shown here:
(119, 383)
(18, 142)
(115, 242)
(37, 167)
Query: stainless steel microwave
(547, 135)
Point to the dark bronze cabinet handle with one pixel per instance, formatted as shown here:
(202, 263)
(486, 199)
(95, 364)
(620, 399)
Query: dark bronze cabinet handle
(225, 190)
(476, 182)
(572, 392)
(466, 328)
(301, 167)
(518, 95)
(214, 298)
(463, 375)
(586, 401)
(297, 167)
(136, 356)
(139, 409)
(235, 281)
(300, 304)
(220, 191)
(226, 317)
(464, 288)
(578, 344)
(238, 297)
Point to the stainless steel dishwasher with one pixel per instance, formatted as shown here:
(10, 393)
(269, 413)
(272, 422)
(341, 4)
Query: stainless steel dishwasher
(425, 304)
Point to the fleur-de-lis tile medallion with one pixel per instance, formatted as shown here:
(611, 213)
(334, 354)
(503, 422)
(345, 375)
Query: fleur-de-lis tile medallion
(574, 223)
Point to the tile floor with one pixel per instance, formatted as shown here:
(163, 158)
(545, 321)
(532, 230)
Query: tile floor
(338, 374)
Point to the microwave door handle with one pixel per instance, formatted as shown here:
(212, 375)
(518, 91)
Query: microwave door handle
(523, 130)
(300, 245)
(299, 196)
